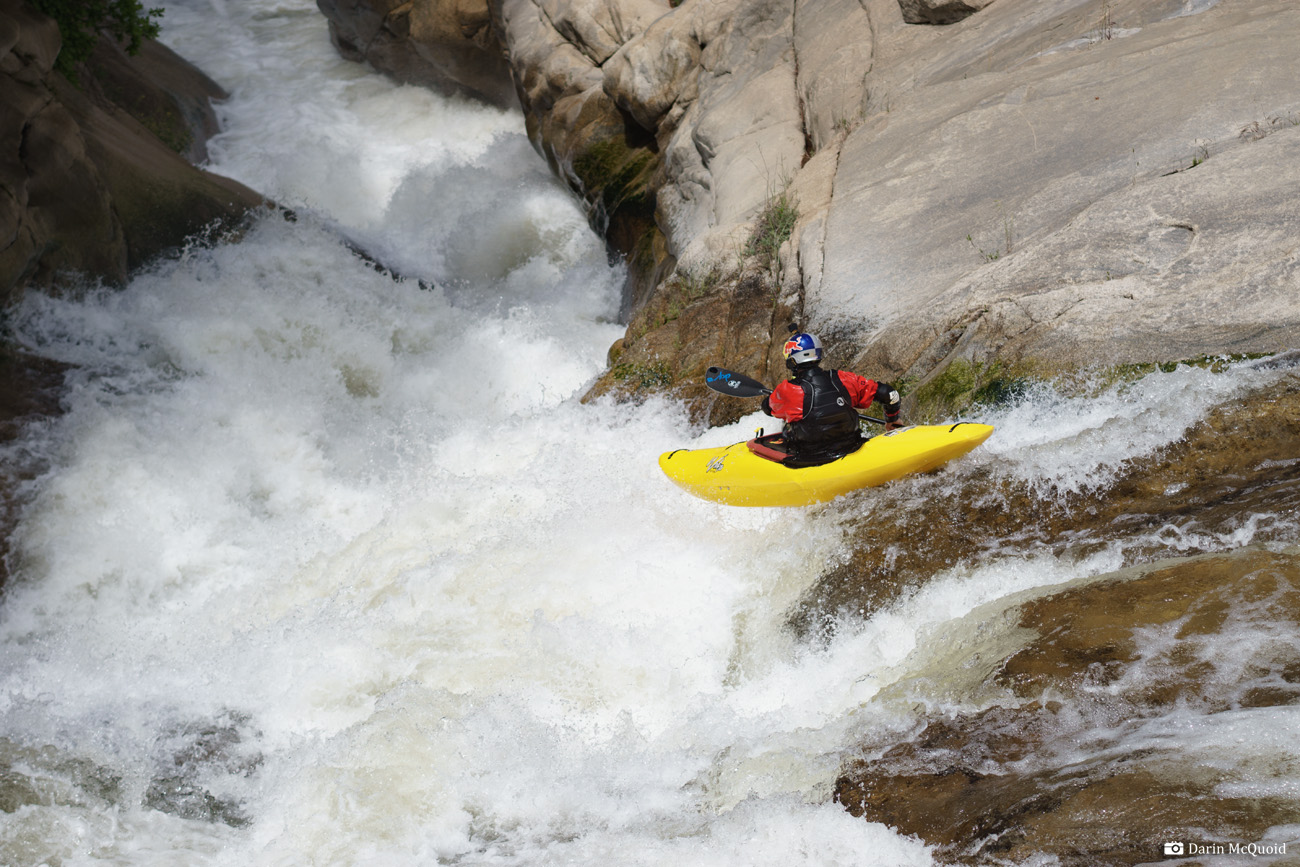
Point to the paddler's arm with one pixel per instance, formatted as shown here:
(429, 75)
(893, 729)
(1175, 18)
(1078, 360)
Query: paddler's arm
(785, 402)
(867, 391)
(887, 396)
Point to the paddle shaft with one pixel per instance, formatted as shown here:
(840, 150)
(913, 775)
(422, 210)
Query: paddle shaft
(735, 384)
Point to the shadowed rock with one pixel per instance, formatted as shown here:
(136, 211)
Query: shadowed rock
(88, 187)
(449, 47)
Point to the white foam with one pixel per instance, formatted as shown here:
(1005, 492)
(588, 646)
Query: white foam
(1070, 444)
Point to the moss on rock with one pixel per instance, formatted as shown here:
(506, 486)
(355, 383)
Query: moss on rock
(964, 384)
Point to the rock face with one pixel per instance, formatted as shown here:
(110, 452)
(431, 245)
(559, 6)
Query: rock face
(1080, 195)
(30, 389)
(1049, 768)
(1055, 183)
(88, 184)
(1053, 724)
(896, 550)
(557, 51)
(450, 47)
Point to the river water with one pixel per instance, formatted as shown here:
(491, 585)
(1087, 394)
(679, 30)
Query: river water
(332, 567)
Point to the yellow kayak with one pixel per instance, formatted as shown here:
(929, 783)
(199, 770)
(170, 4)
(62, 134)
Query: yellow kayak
(739, 476)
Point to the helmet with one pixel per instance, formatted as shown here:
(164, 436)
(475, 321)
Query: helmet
(802, 349)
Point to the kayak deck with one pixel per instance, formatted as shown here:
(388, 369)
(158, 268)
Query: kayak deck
(736, 476)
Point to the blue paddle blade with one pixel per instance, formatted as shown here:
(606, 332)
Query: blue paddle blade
(735, 384)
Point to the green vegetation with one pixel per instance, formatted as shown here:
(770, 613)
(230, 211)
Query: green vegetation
(1133, 372)
(673, 297)
(170, 129)
(775, 225)
(1008, 238)
(161, 117)
(693, 287)
(619, 175)
(80, 22)
(1106, 23)
(964, 384)
(986, 256)
(643, 377)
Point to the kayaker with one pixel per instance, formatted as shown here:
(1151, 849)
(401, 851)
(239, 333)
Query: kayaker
(819, 407)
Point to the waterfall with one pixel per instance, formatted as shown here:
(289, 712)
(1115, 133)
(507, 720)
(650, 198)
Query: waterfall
(333, 566)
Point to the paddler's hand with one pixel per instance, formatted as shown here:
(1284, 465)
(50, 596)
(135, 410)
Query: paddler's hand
(893, 426)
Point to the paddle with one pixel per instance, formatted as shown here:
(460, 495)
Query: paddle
(735, 384)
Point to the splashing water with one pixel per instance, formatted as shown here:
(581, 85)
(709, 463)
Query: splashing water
(335, 568)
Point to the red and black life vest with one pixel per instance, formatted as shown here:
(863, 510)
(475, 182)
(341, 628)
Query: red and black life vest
(830, 424)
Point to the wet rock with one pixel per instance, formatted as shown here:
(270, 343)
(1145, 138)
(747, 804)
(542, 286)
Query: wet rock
(1198, 490)
(162, 91)
(713, 319)
(939, 11)
(189, 755)
(91, 188)
(1085, 756)
(43, 775)
(30, 391)
(449, 47)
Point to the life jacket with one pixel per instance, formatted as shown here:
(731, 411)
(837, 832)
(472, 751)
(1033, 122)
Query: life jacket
(830, 425)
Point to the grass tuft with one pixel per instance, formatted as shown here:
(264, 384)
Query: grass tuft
(775, 226)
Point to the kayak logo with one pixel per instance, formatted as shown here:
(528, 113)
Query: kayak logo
(715, 465)
(724, 378)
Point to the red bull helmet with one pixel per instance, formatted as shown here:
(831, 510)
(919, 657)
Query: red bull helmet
(801, 349)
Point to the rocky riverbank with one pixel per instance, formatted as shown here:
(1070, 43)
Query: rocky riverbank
(1074, 754)
(99, 172)
(1040, 184)
(99, 177)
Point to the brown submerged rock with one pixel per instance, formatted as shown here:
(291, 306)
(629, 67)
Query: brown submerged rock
(1240, 461)
(30, 389)
(1061, 766)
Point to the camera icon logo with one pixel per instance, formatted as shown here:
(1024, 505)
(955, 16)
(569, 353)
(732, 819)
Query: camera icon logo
(1174, 849)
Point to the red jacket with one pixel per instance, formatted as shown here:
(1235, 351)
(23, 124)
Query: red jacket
(786, 399)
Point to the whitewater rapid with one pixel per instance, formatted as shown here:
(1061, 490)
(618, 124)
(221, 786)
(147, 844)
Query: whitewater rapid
(334, 567)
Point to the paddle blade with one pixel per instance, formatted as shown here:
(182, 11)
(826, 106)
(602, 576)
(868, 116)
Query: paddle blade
(735, 384)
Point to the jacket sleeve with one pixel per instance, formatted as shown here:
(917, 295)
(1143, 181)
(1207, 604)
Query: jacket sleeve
(785, 402)
(866, 391)
(861, 389)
